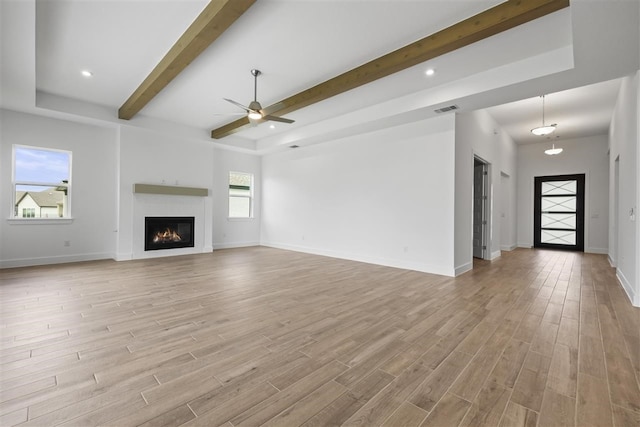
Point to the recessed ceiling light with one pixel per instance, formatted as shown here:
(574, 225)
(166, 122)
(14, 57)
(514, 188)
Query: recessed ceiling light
(272, 126)
(430, 72)
(87, 73)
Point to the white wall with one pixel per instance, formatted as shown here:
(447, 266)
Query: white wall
(235, 232)
(580, 156)
(624, 140)
(90, 233)
(385, 197)
(508, 217)
(477, 134)
(151, 157)
(108, 218)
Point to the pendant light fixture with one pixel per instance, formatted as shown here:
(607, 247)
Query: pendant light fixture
(553, 150)
(544, 129)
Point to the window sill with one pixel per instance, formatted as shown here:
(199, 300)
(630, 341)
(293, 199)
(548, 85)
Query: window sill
(240, 219)
(40, 221)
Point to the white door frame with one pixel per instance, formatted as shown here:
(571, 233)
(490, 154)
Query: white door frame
(485, 250)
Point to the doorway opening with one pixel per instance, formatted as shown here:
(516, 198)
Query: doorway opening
(558, 220)
(480, 234)
(614, 249)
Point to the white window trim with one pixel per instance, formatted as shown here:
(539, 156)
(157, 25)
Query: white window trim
(13, 219)
(250, 197)
(48, 221)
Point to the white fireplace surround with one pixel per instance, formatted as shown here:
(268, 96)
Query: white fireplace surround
(171, 205)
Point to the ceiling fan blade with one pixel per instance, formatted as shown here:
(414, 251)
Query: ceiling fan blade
(237, 104)
(277, 119)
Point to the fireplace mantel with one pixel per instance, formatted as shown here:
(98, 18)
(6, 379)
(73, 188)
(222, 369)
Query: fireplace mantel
(170, 190)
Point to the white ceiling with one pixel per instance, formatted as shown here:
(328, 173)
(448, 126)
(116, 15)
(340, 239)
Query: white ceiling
(579, 112)
(300, 43)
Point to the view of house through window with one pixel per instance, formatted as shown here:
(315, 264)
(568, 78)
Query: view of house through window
(240, 195)
(41, 182)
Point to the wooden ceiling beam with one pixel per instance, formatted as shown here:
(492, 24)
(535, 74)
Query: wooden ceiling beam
(500, 18)
(214, 19)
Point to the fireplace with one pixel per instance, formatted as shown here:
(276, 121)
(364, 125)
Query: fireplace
(168, 233)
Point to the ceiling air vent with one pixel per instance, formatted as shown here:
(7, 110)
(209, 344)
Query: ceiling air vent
(445, 109)
(294, 146)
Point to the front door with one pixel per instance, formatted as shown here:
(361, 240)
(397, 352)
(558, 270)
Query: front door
(559, 212)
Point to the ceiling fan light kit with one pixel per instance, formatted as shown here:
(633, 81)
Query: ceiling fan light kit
(254, 110)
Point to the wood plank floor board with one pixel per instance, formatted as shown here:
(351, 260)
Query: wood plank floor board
(407, 355)
(65, 397)
(431, 390)
(14, 418)
(102, 402)
(34, 387)
(568, 333)
(177, 416)
(544, 339)
(557, 410)
(593, 406)
(529, 388)
(350, 402)
(488, 406)
(385, 403)
(506, 371)
(407, 415)
(625, 418)
(518, 416)
(591, 357)
(305, 408)
(473, 377)
(280, 401)
(450, 410)
(371, 362)
(268, 367)
(233, 404)
(563, 371)
(256, 336)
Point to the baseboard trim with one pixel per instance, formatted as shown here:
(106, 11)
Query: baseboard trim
(612, 262)
(64, 259)
(508, 247)
(233, 245)
(127, 256)
(628, 289)
(601, 251)
(463, 268)
(395, 263)
(496, 254)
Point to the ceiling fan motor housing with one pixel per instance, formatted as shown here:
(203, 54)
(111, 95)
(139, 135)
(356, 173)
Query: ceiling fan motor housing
(255, 106)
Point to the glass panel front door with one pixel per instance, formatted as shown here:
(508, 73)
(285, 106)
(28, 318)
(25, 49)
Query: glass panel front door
(559, 212)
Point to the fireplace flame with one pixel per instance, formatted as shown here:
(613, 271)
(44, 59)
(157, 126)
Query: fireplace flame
(167, 235)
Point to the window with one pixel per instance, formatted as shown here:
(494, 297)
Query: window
(240, 195)
(41, 182)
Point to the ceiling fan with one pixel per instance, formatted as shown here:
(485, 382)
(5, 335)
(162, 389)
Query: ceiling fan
(254, 110)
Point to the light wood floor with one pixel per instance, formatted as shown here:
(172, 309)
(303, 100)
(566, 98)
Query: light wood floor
(260, 336)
